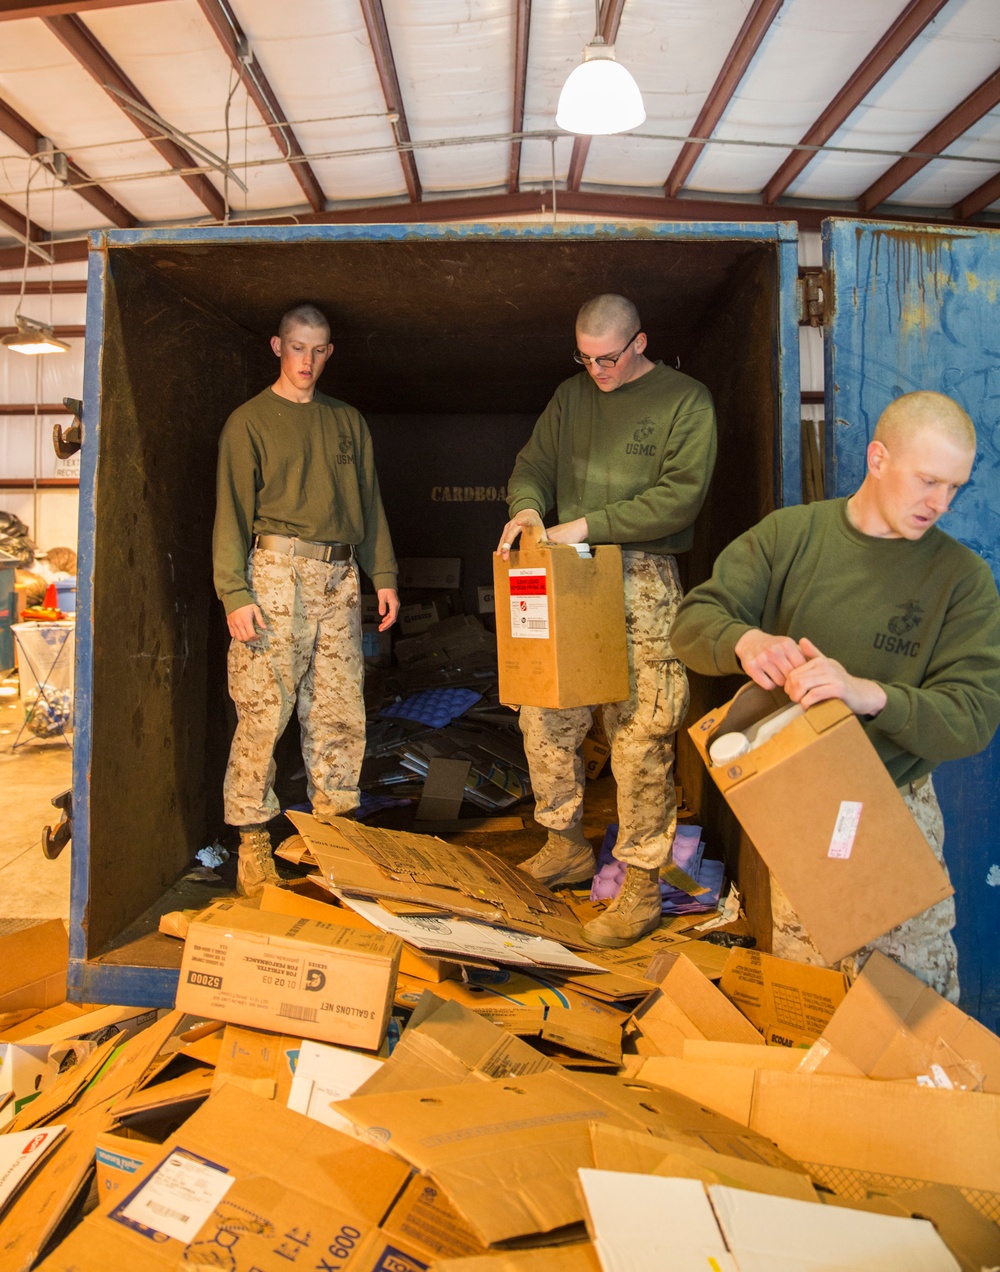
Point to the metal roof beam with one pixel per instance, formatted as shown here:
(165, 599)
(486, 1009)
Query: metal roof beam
(230, 34)
(61, 253)
(522, 24)
(14, 10)
(93, 57)
(378, 35)
(611, 16)
(17, 128)
(915, 17)
(979, 103)
(58, 287)
(980, 198)
(756, 26)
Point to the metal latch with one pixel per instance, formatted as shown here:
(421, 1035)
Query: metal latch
(812, 297)
(68, 442)
(54, 841)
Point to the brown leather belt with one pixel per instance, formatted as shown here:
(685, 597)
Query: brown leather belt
(303, 548)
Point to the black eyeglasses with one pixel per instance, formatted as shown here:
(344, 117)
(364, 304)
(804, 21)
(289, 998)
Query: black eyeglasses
(606, 360)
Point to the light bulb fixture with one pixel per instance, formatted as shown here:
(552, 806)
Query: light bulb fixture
(600, 97)
(33, 337)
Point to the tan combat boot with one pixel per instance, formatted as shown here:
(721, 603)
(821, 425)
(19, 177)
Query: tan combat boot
(634, 911)
(566, 858)
(256, 863)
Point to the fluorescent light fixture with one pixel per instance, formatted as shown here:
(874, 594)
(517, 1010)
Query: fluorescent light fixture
(33, 337)
(600, 97)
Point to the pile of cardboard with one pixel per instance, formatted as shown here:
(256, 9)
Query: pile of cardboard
(412, 1060)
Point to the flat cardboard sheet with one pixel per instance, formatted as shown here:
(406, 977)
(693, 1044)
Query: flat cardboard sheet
(324, 1074)
(850, 879)
(506, 1151)
(367, 862)
(578, 1257)
(793, 1001)
(460, 938)
(643, 1223)
(893, 1026)
(21, 1154)
(258, 1061)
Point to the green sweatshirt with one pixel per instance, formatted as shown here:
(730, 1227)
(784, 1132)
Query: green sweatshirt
(300, 469)
(635, 462)
(920, 617)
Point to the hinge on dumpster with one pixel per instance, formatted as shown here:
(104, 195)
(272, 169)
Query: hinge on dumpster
(812, 297)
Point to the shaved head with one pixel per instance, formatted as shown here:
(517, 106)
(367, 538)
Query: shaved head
(608, 314)
(909, 415)
(303, 316)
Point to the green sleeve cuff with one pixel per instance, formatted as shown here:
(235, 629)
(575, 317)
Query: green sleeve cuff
(521, 502)
(236, 600)
(895, 715)
(598, 527)
(725, 650)
(385, 580)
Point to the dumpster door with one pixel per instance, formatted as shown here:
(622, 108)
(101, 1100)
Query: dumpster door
(912, 307)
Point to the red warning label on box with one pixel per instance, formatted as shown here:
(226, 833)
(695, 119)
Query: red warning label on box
(527, 583)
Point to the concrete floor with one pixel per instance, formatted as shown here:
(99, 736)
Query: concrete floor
(30, 886)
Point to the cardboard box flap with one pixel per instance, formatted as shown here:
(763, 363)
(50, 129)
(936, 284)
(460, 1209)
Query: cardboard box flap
(688, 1005)
(287, 930)
(893, 1026)
(776, 993)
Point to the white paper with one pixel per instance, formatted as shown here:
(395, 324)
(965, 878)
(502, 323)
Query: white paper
(472, 940)
(779, 1234)
(845, 830)
(19, 1153)
(324, 1074)
(179, 1197)
(649, 1223)
(529, 604)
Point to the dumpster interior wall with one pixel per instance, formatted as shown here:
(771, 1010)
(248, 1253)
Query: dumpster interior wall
(450, 349)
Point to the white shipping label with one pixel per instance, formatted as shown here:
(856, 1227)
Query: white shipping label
(529, 604)
(845, 829)
(179, 1197)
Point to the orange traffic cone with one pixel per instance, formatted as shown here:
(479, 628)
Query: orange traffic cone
(51, 601)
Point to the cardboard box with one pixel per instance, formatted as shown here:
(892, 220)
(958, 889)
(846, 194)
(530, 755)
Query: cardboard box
(305, 900)
(248, 967)
(34, 955)
(117, 1159)
(791, 1002)
(244, 1183)
(824, 814)
(560, 626)
(430, 572)
(893, 1026)
(595, 750)
(486, 599)
(419, 616)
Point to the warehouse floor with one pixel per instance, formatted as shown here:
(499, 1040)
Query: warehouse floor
(30, 777)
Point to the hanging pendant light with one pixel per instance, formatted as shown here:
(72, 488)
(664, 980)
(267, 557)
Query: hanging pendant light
(600, 97)
(33, 337)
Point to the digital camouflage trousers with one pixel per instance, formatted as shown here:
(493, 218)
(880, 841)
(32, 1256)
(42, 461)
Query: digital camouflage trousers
(923, 944)
(309, 656)
(640, 730)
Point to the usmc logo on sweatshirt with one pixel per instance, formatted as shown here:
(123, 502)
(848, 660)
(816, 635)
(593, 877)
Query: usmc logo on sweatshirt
(897, 639)
(639, 445)
(346, 455)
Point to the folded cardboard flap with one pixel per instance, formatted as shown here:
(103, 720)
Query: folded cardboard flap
(893, 1026)
(686, 1005)
(851, 1135)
